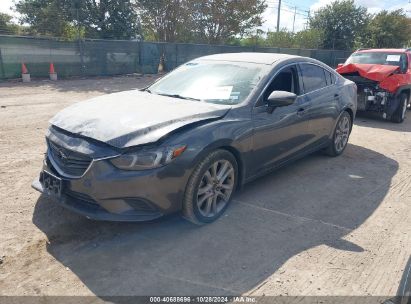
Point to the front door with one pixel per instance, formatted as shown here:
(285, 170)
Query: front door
(281, 133)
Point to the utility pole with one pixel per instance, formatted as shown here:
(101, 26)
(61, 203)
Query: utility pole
(295, 13)
(278, 15)
(77, 5)
(308, 19)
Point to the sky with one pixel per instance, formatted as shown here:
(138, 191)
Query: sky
(287, 12)
(303, 6)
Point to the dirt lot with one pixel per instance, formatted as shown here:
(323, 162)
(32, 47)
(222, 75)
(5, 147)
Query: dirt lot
(322, 226)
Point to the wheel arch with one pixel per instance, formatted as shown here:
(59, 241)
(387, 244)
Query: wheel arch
(404, 89)
(224, 145)
(240, 164)
(351, 112)
(408, 92)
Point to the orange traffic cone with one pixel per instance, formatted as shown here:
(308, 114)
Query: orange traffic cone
(52, 72)
(25, 73)
(24, 68)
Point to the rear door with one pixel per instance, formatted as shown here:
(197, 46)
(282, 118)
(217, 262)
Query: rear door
(320, 90)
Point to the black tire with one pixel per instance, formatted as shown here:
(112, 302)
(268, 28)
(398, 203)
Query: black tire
(401, 111)
(200, 177)
(336, 147)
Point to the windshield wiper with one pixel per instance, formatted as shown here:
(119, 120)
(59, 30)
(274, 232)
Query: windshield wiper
(178, 96)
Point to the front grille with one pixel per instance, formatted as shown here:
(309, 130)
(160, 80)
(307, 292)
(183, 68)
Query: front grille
(68, 162)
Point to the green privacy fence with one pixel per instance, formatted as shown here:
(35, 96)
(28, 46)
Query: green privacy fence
(113, 57)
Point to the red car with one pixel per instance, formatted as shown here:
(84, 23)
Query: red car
(383, 78)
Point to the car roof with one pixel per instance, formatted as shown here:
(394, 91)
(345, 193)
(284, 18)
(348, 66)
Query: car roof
(261, 58)
(383, 50)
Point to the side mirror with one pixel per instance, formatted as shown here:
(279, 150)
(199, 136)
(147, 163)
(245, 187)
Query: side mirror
(340, 65)
(281, 99)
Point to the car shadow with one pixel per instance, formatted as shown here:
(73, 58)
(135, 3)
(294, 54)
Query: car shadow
(315, 201)
(371, 120)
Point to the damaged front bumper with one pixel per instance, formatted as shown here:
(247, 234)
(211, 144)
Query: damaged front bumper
(378, 86)
(374, 99)
(106, 193)
(91, 209)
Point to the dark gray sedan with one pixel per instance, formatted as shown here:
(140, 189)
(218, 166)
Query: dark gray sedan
(188, 141)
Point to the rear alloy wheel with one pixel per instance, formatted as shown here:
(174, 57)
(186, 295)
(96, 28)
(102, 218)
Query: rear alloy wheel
(210, 187)
(341, 135)
(401, 111)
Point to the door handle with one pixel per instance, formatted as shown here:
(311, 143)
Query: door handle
(301, 111)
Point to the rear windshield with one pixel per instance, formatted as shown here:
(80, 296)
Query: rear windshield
(396, 59)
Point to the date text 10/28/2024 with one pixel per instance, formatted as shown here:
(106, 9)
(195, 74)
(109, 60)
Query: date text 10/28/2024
(203, 299)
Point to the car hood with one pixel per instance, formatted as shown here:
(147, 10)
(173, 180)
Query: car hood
(376, 72)
(133, 118)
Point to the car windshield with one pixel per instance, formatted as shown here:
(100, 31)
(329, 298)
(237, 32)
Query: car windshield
(396, 59)
(220, 82)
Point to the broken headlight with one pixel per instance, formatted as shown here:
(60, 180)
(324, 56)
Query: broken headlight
(148, 159)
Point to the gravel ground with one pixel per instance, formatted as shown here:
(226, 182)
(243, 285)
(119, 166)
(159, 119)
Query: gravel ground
(321, 226)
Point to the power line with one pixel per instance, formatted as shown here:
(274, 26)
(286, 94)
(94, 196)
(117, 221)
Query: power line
(286, 7)
(294, 5)
(272, 4)
(282, 5)
(291, 10)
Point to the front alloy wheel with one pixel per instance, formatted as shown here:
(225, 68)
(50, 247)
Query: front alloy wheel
(341, 135)
(210, 187)
(215, 188)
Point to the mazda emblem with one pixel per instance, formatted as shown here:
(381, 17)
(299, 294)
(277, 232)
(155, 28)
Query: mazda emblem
(62, 155)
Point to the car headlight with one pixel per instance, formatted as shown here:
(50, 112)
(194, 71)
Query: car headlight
(147, 159)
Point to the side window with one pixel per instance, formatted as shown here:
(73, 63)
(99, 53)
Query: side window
(313, 77)
(286, 80)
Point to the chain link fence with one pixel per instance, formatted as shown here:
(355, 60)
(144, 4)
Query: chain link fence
(114, 57)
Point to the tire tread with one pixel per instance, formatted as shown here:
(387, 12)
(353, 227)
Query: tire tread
(397, 116)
